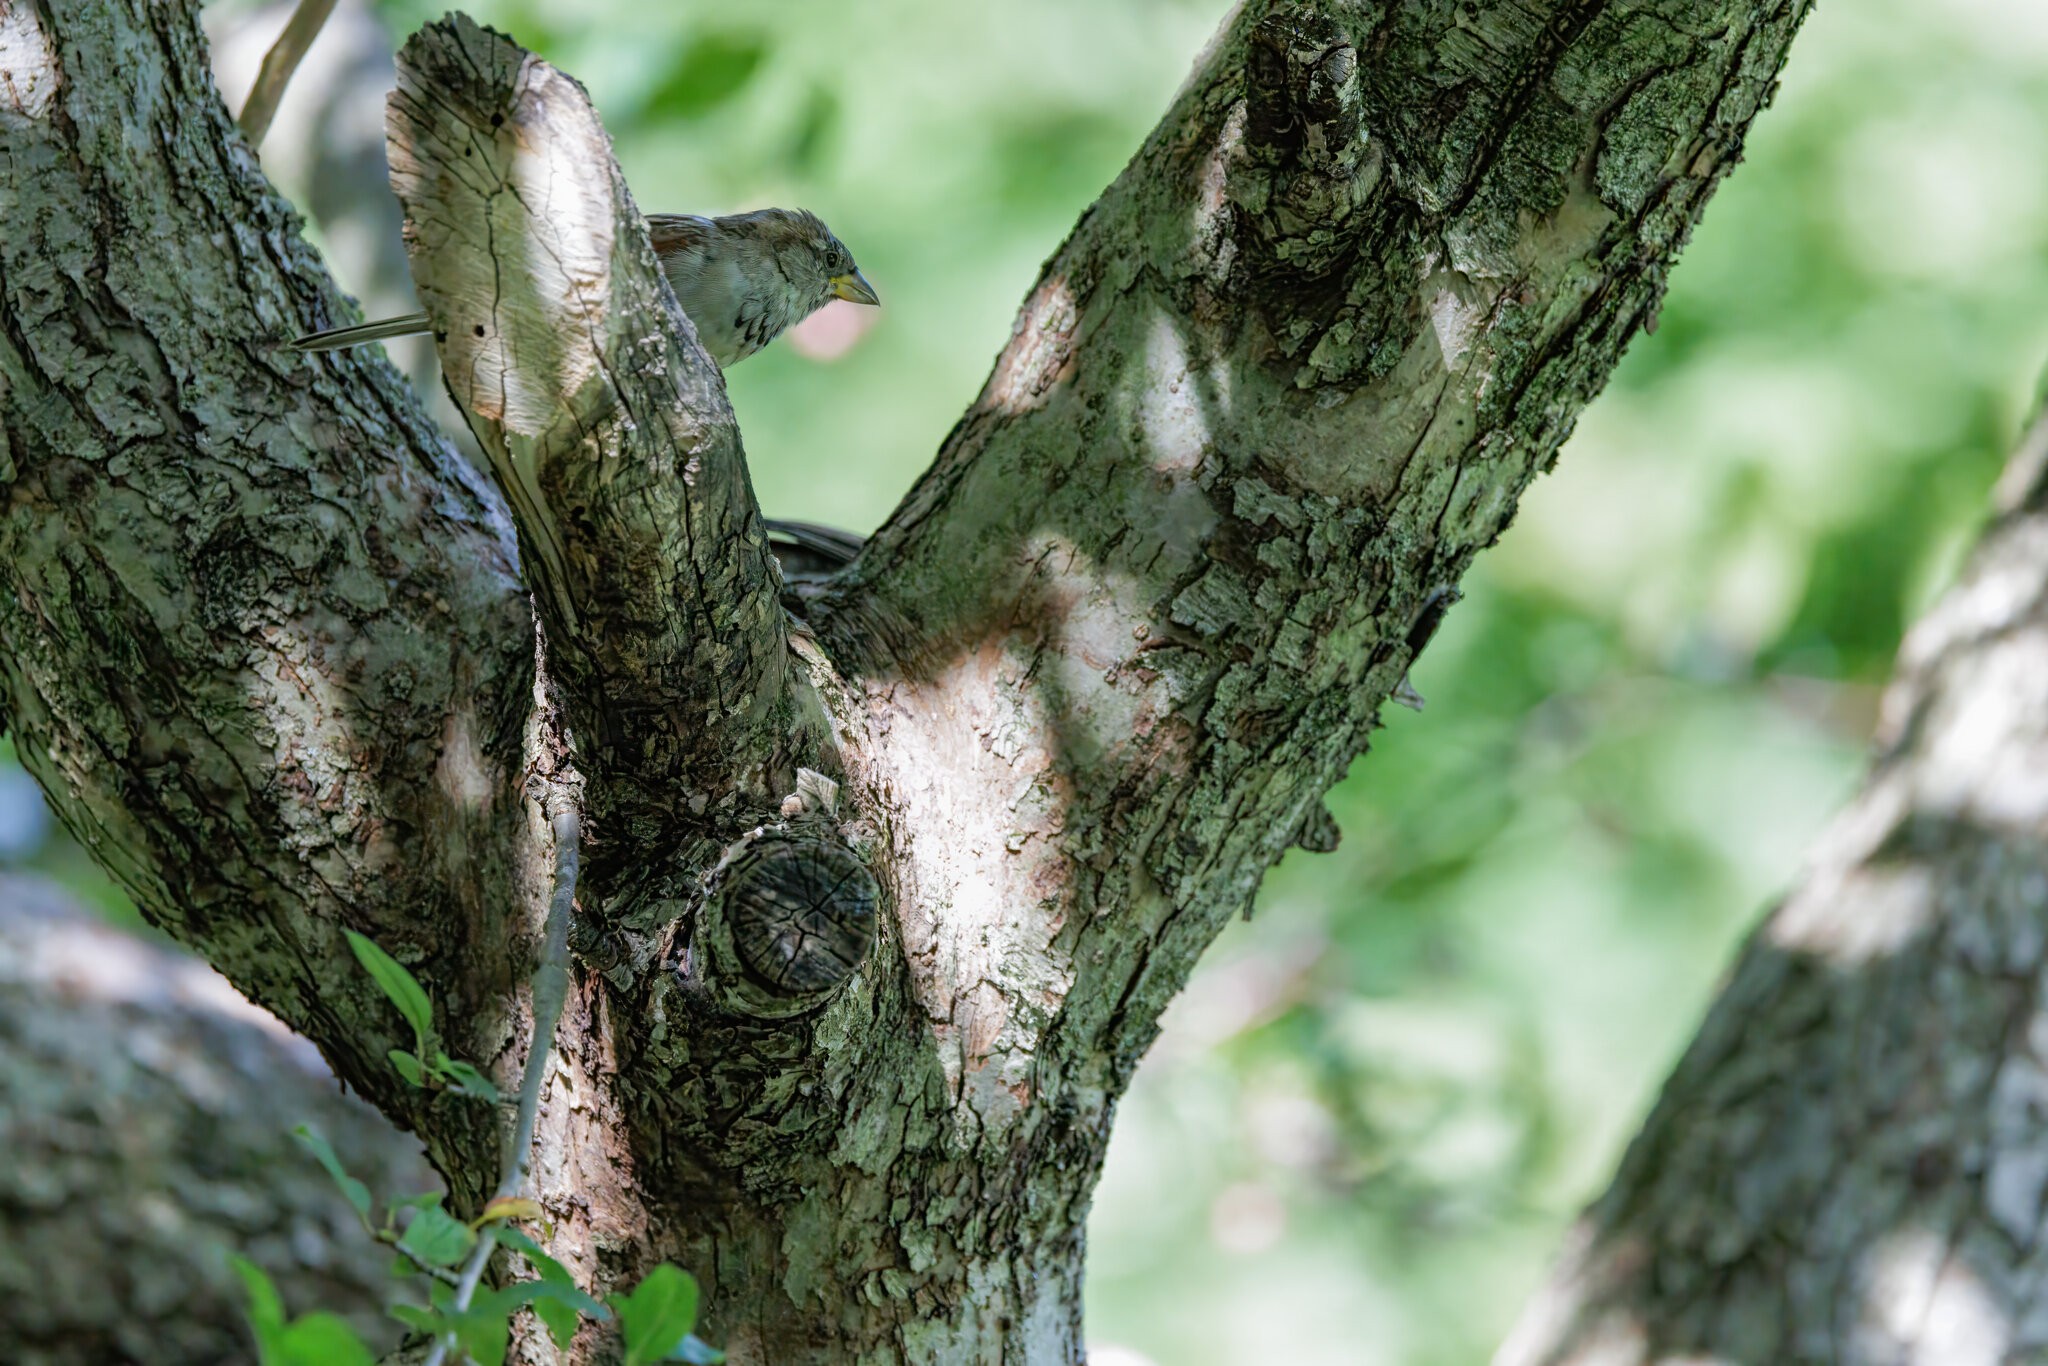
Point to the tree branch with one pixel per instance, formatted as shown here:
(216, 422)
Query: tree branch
(1849, 1162)
(1290, 373)
(262, 638)
(146, 1112)
(605, 424)
(1286, 378)
(278, 65)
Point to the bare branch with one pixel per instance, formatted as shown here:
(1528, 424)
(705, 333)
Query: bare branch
(278, 65)
(605, 424)
(550, 989)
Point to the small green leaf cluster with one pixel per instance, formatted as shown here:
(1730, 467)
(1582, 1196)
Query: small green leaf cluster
(655, 1317)
(426, 1064)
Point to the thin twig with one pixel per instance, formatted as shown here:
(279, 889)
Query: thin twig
(550, 990)
(439, 1273)
(278, 65)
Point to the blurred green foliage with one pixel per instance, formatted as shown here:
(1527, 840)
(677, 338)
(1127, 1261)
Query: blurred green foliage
(1379, 1104)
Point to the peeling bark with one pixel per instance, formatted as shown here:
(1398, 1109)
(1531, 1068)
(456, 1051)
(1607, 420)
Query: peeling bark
(1848, 1164)
(1288, 375)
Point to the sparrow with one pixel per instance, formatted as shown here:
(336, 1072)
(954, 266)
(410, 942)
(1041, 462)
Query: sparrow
(743, 280)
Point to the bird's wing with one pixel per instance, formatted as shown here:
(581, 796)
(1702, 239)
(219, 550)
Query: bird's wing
(758, 319)
(677, 232)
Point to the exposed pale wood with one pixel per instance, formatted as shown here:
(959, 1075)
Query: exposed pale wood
(607, 429)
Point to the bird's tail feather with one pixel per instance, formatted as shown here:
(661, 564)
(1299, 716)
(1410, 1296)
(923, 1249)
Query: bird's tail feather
(829, 544)
(334, 339)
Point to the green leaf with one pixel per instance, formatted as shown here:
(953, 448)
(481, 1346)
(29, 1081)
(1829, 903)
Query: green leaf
(560, 1319)
(557, 1305)
(356, 1192)
(404, 990)
(424, 1200)
(322, 1340)
(315, 1340)
(408, 1066)
(468, 1081)
(559, 1311)
(436, 1238)
(717, 67)
(519, 1294)
(658, 1315)
(483, 1335)
(518, 1241)
(697, 1352)
(266, 1310)
(424, 1320)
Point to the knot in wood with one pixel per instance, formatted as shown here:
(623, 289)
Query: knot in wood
(801, 912)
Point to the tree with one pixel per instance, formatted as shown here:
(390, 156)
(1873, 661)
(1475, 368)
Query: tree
(880, 904)
(1846, 1166)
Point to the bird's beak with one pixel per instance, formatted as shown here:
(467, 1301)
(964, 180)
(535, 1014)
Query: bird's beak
(854, 288)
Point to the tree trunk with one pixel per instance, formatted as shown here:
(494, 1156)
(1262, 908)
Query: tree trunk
(145, 1111)
(271, 650)
(1849, 1164)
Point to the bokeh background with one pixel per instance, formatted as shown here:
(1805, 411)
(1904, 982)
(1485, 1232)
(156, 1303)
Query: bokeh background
(1382, 1099)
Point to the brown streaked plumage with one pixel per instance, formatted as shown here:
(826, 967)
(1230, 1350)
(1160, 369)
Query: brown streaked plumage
(743, 280)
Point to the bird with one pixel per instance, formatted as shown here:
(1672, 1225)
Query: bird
(809, 556)
(743, 279)
(809, 550)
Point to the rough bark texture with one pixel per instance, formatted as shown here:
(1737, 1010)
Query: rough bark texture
(606, 426)
(269, 650)
(1849, 1164)
(145, 1111)
(264, 640)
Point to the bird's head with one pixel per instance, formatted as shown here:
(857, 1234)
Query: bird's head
(814, 260)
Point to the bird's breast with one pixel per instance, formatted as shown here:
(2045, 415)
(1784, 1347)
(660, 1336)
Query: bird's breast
(734, 314)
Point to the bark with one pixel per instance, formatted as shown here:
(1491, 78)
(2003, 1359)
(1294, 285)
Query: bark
(265, 641)
(145, 1110)
(1848, 1164)
(1015, 767)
